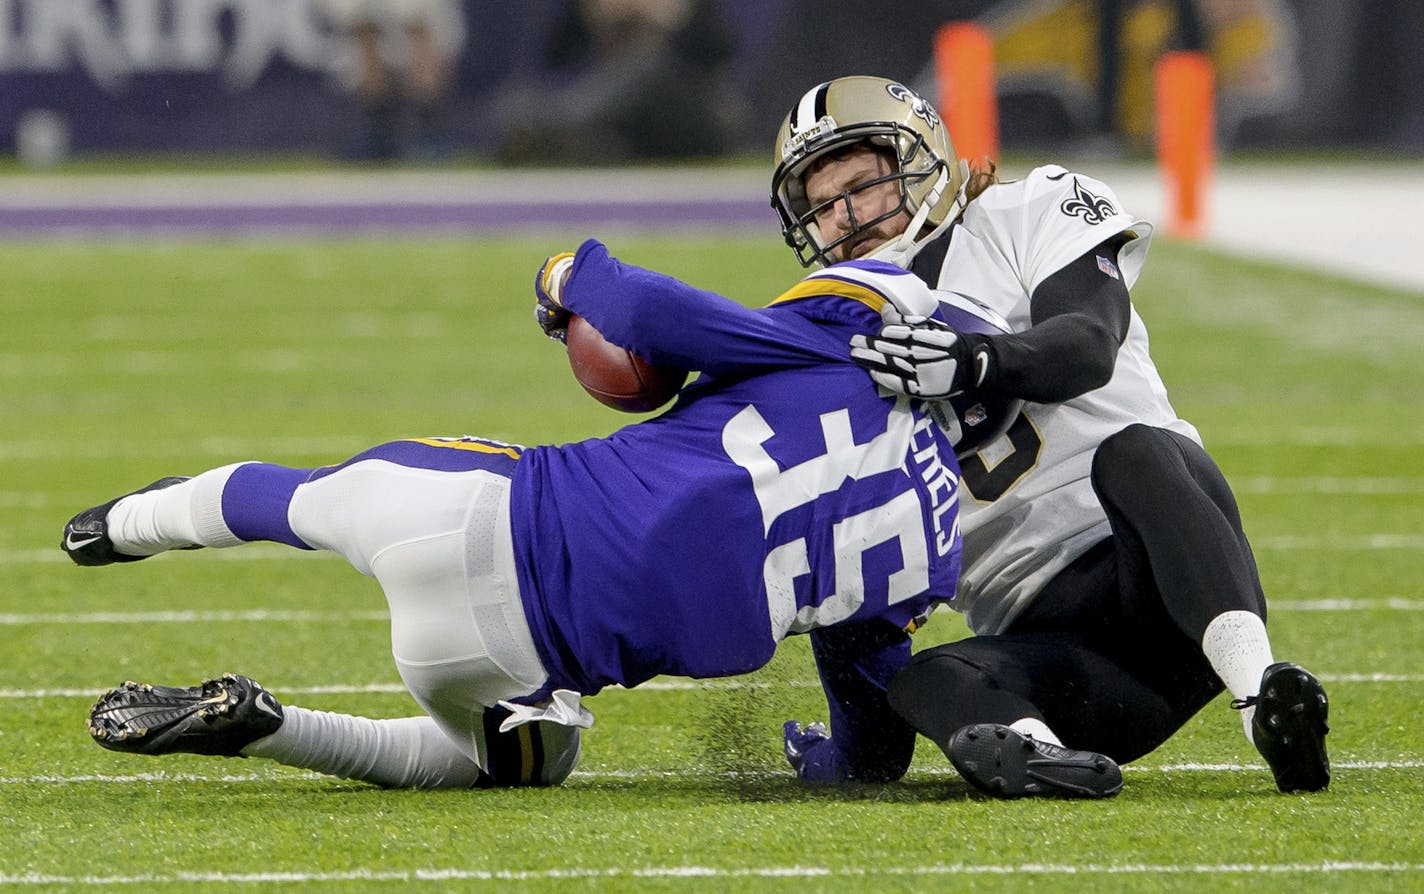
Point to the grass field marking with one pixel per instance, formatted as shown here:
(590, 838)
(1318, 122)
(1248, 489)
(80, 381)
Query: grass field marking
(254, 552)
(1343, 604)
(95, 692)
(19, 499)
(327, 446)
(1328, 485)
(331, 447)
(1372, 678)
(1243, 768)
(264, 553)
(283, 773)
(933, 772)
(712, 872)
(1266, 485)
(383, 688)
(1342, 436)
(24, 619)
(1316, 543)
(188, 617)
(132, 778)
(1365, 486)
(650, 686)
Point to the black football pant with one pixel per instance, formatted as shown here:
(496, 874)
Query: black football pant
(1109, 653)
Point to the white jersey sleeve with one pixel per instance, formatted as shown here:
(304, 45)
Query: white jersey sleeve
(1041, 223)
(1028, 507)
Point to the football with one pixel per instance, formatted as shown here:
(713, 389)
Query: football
(616, 377)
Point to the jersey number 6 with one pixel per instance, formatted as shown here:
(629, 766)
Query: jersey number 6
(987, 483)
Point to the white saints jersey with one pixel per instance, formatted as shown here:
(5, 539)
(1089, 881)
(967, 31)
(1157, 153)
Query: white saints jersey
(1027, 505)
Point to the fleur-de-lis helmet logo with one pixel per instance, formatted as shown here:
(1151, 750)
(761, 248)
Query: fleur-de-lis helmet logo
(1084, 204)
(917, 103)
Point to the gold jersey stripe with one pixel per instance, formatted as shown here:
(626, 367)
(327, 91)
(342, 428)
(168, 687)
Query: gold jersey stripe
(476, 446)
(526, 753)
(825, 285)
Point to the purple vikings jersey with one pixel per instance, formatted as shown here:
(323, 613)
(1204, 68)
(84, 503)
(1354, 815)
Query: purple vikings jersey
(780, 494)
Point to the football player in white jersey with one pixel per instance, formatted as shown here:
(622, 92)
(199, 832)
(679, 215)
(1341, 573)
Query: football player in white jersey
(1106, 575)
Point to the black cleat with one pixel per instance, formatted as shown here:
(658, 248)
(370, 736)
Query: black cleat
(1290, 726)
(218, 717)
(1005, 763)
(86, 536)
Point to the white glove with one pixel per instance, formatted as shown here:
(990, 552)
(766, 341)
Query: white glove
(922, 357)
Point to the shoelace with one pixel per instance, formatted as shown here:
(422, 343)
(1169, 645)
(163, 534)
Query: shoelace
(1247, 702)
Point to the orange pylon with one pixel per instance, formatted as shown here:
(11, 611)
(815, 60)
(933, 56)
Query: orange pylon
(1186, 137)
(964, 68)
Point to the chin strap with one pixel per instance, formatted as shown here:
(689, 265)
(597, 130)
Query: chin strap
(901, 250)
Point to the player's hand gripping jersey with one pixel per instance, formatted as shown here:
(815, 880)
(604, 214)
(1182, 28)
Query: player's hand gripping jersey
(780, 494)
(1028, 507)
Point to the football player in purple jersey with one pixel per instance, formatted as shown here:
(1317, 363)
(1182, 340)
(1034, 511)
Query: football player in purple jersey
(1105, 571)
(782, 493)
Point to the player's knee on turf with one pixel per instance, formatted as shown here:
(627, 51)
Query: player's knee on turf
(938, 691)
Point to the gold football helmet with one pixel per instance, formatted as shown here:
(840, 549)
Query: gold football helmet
(836, 114)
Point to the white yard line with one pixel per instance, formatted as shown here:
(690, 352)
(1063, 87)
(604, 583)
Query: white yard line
(672, 685)
(692, 871)
(330, 446)
(257, 552)
(264, 552)
(198, 616)
(189, 617)
(282, 774)
(1266, 485)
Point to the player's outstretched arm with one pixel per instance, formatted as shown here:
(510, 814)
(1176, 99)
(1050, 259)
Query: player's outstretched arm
(870, 742)
(671, 323)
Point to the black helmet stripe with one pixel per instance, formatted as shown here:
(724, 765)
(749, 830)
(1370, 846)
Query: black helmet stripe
(811, 108)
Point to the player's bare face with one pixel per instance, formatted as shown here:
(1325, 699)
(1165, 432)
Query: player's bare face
(846, 175)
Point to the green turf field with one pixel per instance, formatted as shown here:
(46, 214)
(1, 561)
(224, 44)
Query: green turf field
(121, 364)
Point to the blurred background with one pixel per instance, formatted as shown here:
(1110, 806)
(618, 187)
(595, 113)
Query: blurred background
(610, 81)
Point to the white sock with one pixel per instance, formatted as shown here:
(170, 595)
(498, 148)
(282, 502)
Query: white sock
(1032, 726)
(186, 514)
(409, 752)
(1237, 647)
